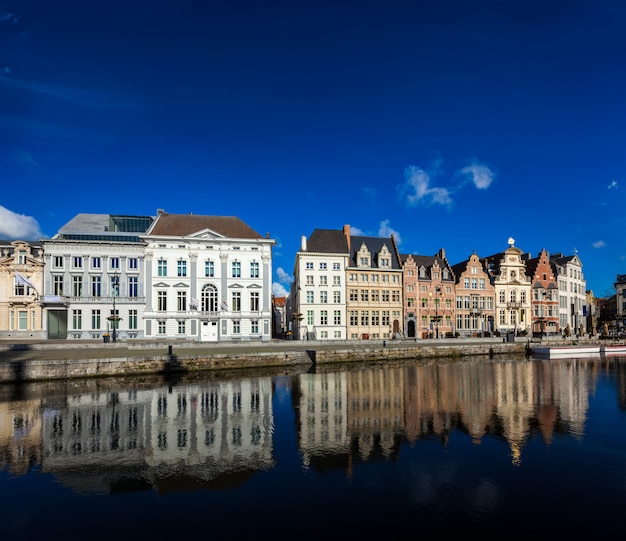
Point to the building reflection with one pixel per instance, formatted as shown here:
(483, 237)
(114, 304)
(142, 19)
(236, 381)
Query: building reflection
(108, 436)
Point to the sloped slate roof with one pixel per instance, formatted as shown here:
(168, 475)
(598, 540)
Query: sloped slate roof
(374, 245)
(180, 225)
(327, 241)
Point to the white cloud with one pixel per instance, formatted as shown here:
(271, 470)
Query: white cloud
(283, 277)
(384, 230)
(278, 290)
(18, 226)
(612, 185)
(480, 174)
(418, 190)
(599, 244)
(356, 231)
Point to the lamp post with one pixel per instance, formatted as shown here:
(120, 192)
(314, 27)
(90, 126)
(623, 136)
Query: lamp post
(114, 320)
(437, 294)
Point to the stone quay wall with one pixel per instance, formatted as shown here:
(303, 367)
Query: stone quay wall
(34, 363)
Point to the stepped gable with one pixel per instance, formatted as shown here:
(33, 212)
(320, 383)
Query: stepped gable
(327, 241)
(374, 245)
(181, 225)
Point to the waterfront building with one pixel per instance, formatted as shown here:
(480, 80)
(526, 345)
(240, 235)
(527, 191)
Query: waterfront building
(512, 289)
(431, 292)
(208, 278)
(375, 290)
(572, 291)
(475, 298)
(545, 295)
(21, 280)
(317, 307)
(620, 303)
(93, 281)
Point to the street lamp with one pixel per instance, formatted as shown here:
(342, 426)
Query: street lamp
(438, 293)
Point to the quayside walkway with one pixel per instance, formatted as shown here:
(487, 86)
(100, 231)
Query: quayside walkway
(26, 360)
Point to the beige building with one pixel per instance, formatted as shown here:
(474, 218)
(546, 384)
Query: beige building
(475, 313)
(21, 282)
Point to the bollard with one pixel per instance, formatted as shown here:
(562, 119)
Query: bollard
(169, 350)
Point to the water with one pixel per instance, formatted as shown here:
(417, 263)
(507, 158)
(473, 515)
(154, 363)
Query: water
(515, 448)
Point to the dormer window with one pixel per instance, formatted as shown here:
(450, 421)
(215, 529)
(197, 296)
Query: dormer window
(364, 257)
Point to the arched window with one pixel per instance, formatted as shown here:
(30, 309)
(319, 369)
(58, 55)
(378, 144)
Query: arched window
(209, 298)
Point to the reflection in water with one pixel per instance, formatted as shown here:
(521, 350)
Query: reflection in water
(102, 436)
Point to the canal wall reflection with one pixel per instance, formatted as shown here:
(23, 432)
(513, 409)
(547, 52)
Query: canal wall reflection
(138, 434)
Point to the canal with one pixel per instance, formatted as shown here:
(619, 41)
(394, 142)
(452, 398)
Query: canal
(505, 447)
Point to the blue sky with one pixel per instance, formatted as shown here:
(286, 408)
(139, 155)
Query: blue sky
(453, 124)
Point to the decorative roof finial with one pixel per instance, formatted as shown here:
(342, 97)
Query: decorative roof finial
(511, 241)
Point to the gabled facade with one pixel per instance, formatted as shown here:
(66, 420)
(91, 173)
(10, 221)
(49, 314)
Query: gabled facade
(434, 294)
(93, 281)
(208, 278)
(21, 264)
(512, 289)
(620, 303)
(475, 298)
(545, 295)
(572, 292)
(318, 292)
(374, 283)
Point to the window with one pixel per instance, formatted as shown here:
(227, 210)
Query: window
(254, 326)
(77, 286)
(324, 297)
(336, 280)
(57, 262)
(323, 280)
(309, 265)
(181, 301)
(132, 263)
(323, 266)
(96, 286)
(57, 285)
(502, 298)
(309, 297)
(236, 327)
(22, 320)
(365, 317)
(309, 317)
(324, 317)
(337, 297)
(254, 269)
(209, 268)
(95, 319)
(132, 319)
(133, 286)
(385, 320)
(162, 301)
(375, 317)
(337, 317)
(161, 329)
(162, 267)
(254, 301)
(236, 301)
(96, 263)
(181, 326)
(236, 269)
(354, 317)
(209, 298)
(77, 262)
(115, 286)
(115, 263)
(336, 266)
(77, 319)
(309, 280)
(354, 295)
(375, 295)
(182, 268)
(365, 295)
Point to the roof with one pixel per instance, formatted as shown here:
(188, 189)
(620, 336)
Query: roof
(374, 245)
(327, 241)
(181, 225)
(104, 227)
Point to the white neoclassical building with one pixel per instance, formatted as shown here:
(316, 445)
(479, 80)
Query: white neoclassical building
(209, 279)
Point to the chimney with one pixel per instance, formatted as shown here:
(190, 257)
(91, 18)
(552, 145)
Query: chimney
(303, 243)
(346, 233)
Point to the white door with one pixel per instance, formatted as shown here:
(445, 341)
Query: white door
(208, 331)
